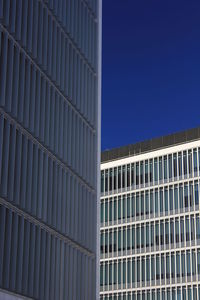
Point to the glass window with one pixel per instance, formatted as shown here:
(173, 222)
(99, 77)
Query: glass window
(192, 232)
(101, 275)
(143, 269)
(102, 181)
(110, 273)
(152, 268)
(165, 167)
(167, 267)
(119, 272)
(188, 263)
(119, 240)
(138, 236)
(106, 210)
(115, 209)
(193, 262)
(133, 237)
(160, 169)
(102, 242)
(182, 230)
(119, 208)
(161, 233)
(110, 210)
(115, 241)
(115, 273)
(156, 201)
(119, 177)
(151, 170)
(124, 272)
(110, 179)
(142, 204)
(110, 241)
(147, 202)
(128, 238)
(181, 196)
(198, 261)
(191, 194)
(172, 232)
(142, 236)
(146, 171)
(166, 232)
(128, 206)
(137, 173)
(176, 197)
(115, 178)
(147, 235)
(177, 230)
(151, 202)
(133, 270)
(133, 205)
(137, 205)
(195, 160)
(147, 269)
(196, 191)
(190, 161)
(185, 162)
(129, 271)
(102, 212)
(157, 233)
(128, 176)
(124, 207)
(162, 266)
(170, 165)
(106, 181)
(152, 234)
(155, 169)
(178, 271)
(175, 164)
(106, 273)
(161, 200)
(138, 269)
(157, 267)
(186, 195)
(141, 173)
(132, 174)
(123, 177)
(166, 201)
(172, 266)
(180, 164)
(187, 229)
(171, 198)
(124, 239)
(197, 227)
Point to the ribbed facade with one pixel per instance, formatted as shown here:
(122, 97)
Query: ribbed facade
(49, 146)
(150, 224)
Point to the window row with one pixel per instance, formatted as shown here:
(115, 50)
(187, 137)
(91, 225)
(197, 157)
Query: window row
(32, 180)
(157, 235)
(177, 293)
(35, 263)
(68, 74)
(31, 23)
(151, 270)
(150, 172)
(35, 103)
(150, 203)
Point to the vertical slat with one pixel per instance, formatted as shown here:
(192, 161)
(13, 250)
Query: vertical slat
(7, 250)
(15, 81)
(38, 261)
(6, 144)
(3, 67)
(23, 172)
(20, 253)
(14, 258)
(2, 239)
(32, 261)
(26, 250)
(11, 163)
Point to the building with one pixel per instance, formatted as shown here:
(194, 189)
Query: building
(150, 220)
(50, 70)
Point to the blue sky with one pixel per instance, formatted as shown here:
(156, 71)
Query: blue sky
(151, 69)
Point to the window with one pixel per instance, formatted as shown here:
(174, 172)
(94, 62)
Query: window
(188, 263)
(123, 177)
(151, 170)
(178, 271)
(110, 180)
(119, 208)
(196, 191)
(172, 232)
(133, 205)
(155, 170)
(137, 205)
(170, 165)
(106, 181)
(147, 203)
(146, 172)
(102, 181)
(142, 204)
(156, 201)
(119, 177)
(128, 207)
(141, 173)
(128, 176)
(171, 198)
(165, 167)
(132, 174)
(183, 264)
(152, 268)
(102, 212)
(176, 197)
(166, 200)
(195, 160)
(185, 162)
(161, 200)
(115, 178)
(124, 207)
(166, 232)
(180, 164)
(160, 169)
(190, 161)
(147, 235)
(137, 173)
(175, 164)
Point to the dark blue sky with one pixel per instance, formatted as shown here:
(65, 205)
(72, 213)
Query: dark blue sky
(151, 69)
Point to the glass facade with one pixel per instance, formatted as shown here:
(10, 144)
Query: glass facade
(50, 83)
(150, 225)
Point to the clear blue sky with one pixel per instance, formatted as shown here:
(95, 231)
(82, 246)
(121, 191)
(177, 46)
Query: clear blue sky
(151, 69)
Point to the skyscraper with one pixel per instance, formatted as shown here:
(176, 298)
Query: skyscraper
(50, 70)
(150, 220)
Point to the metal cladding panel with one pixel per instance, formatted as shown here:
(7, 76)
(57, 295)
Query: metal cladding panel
(49, 137)
(150, 145)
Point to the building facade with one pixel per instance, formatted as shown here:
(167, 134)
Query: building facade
(50, 64)
(150, 220)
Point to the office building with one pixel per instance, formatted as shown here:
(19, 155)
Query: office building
(150, 220)
(50, 64)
